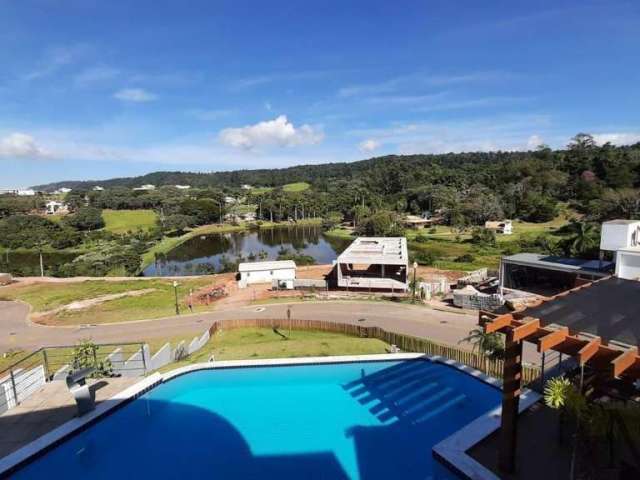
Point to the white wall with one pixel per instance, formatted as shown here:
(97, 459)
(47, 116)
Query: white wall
(628, 265)
(266, 276)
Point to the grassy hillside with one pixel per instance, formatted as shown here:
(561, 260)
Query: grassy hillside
(296, 187)
(122, 221)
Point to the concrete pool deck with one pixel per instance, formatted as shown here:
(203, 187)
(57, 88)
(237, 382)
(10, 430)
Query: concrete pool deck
(48, 408)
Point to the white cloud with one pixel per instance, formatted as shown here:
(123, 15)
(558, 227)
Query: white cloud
(96, 75)
(135, 95)
(279, 132)
(56, 58)
(620, 138)
(20, 145)
(534, 142)
(421, 79)
(369, 145)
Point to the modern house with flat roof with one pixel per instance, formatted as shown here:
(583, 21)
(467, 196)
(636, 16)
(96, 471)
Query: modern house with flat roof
(281, 271)
(379, 263)
(548, 274)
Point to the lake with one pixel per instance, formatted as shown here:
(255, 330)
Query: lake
(208, 253)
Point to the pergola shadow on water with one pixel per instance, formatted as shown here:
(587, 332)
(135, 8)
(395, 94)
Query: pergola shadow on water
(596, 324)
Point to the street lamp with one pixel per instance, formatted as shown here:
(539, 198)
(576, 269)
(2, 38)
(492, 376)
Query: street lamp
(175, 291)
(415, 267)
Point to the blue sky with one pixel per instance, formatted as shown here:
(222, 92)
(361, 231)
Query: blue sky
(94, 89)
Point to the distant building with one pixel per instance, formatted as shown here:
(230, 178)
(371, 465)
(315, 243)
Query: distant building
(52, 207)
(26, 192)
(413, 221)
(98, 188)
(283, 272)
(229, 200)
(374, 263)
(246, 187)
(146, 187)
(505, 226)
(183, 187)
(8, 191)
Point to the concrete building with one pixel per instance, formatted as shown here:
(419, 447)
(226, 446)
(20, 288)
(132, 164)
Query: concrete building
(98, 188)
(146, 187)
(27, 192)
(282, 271)
(505, 226)
(379, 263)
(622, 237)
(182, 187)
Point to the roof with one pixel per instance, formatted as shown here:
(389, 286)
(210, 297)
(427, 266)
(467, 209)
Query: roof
(607, 308)
(262, 266)
(376, 251)
(415, 219)
(621, 222)
(569, 265)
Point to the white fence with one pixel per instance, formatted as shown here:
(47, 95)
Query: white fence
(19, 385)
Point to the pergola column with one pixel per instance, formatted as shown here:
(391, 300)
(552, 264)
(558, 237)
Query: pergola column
(512, 376)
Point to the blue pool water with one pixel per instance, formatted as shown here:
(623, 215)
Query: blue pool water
(367, 421)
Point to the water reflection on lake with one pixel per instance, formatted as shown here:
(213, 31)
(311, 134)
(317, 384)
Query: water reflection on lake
(205, 253)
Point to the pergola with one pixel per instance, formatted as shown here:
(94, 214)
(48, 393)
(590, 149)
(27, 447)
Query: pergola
(597, 324)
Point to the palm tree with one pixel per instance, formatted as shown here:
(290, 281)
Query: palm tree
(488, 344)
(583, 238)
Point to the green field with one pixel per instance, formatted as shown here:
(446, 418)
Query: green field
(445, 246)
(123, 221)
(296, 187)
(44, 297)
(256, 343)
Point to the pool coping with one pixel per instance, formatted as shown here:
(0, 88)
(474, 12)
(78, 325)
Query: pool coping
(451, 451)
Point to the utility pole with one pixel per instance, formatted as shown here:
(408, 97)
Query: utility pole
(175, 291)
(415, 268)
(289, 318)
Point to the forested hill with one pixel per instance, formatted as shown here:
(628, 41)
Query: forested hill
(543, 169)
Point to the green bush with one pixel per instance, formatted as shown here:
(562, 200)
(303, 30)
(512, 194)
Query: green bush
(466, 258)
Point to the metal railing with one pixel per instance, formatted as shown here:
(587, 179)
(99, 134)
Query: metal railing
(31, 372)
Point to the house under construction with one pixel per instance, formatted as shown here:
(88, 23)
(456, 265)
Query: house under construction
(374, 263)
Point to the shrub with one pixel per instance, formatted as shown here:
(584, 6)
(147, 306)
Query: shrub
(466, 258)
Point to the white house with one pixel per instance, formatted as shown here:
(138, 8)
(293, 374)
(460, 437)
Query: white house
(28, 192)
(282, 271)
(52, 207)
(623, 238)
(148, 186)
(183, 187)
(246, 187)
(229, 200)
(98, 188)
(505, 227)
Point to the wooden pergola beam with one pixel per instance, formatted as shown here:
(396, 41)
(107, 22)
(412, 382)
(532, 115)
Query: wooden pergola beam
(623, 361)
(498, 323)
(523, 331)
(589, 350)
(553, 338)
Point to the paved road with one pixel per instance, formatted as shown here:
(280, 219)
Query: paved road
(16, 331)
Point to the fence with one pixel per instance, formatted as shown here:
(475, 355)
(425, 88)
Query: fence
(491, 366)
(28, 374)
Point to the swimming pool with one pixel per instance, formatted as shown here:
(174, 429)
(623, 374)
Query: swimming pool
(365, 420)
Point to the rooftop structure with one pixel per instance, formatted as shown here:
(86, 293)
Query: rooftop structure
(98, 188)
(596, 324)
(182, 187)
(549, 274)
(414, 221)
(374, 263)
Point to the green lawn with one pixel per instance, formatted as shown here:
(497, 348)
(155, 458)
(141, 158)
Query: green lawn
(296, 187)
(123, 221)
(256, 343)
(159, 303)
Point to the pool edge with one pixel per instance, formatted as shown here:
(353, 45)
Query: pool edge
(446, 451)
